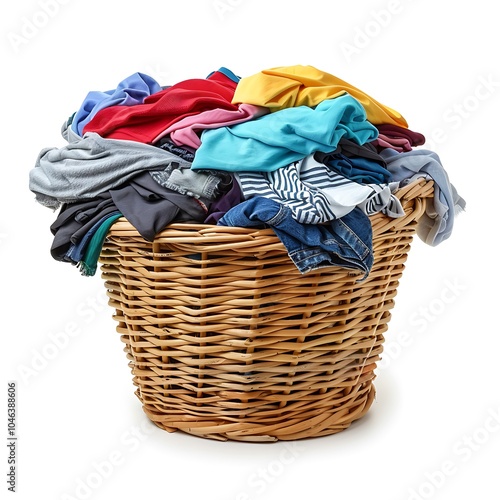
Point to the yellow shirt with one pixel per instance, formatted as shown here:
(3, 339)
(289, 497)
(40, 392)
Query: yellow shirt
(289, 86)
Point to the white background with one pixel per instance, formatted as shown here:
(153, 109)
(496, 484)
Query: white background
(434, 429)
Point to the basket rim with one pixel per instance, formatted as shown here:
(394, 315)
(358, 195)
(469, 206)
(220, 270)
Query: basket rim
(420, 188)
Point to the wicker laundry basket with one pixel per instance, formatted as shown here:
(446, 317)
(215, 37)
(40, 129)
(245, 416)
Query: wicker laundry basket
(227, 340)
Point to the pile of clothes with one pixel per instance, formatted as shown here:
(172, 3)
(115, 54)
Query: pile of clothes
(292, 148)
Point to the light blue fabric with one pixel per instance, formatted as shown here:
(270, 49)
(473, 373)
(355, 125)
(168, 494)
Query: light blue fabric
(84, 169)
(280, 138)
(130, 91)
(436, 225)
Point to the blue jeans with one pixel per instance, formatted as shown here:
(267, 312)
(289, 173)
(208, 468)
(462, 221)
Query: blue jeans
(344, 242)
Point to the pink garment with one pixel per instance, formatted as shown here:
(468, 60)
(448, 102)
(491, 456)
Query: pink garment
(400, 144)
(185, 131)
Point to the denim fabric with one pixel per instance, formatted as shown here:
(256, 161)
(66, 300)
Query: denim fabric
(344, 242)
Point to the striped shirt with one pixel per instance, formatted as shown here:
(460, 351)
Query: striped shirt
(317, 194)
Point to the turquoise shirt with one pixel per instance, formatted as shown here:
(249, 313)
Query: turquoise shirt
(280, 138)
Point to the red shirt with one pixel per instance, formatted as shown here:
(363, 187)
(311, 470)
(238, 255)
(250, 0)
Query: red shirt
(143, 122)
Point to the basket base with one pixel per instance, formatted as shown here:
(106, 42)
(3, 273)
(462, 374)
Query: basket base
(323, 423)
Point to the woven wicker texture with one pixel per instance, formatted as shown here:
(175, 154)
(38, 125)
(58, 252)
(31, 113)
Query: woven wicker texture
(227, 340)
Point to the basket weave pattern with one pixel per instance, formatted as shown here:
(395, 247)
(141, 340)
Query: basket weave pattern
(227, 340)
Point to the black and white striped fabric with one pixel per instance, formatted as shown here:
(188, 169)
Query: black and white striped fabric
(316, 194)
